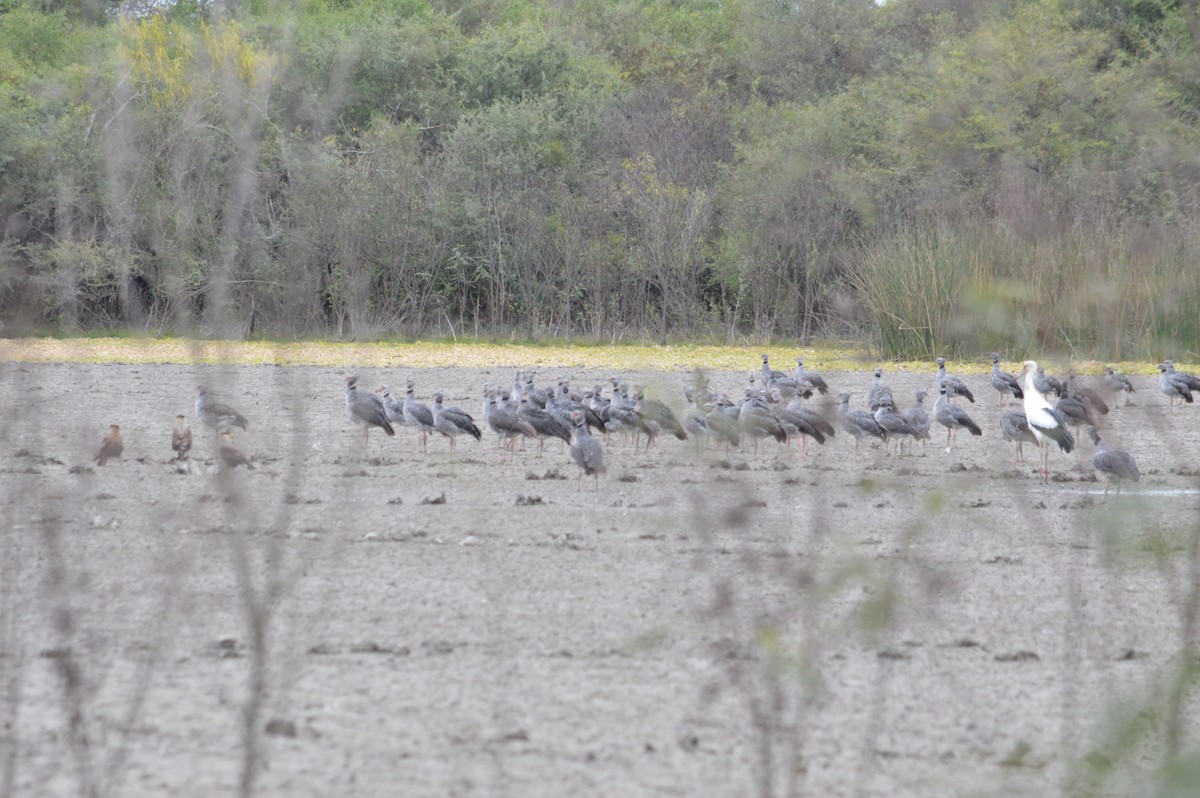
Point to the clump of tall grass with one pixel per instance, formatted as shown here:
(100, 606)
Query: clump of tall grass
(1125, 293)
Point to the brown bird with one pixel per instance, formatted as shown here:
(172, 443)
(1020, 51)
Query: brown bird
(231, 457)
(112, 446)
(181, 438)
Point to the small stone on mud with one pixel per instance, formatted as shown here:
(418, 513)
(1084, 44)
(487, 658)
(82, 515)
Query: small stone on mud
(1017, 656)
(627, 478)
(469, 540)
(435, 500)
(1016, 756)
(278, 727)
(529, 501)
(396, 501)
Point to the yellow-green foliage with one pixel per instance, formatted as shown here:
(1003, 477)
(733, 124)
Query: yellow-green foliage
(176, 65)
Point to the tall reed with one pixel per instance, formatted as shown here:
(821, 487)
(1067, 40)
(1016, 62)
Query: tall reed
(1123, 293)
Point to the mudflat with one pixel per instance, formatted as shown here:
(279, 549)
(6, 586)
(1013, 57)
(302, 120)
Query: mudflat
(698, 622)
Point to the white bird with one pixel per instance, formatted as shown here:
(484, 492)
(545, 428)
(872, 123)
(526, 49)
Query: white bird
(1047, 424)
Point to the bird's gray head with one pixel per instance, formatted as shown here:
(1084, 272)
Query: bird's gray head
(878, 373)
(995, 357)
(383, 389)
(437, 397)
(1162, 367)
(1108, 370)
(201, 390)
(941, 361)
(1094, 435)
(351, 381)
(577, 418)
(920, 395)
(845, 397)
(764, 359)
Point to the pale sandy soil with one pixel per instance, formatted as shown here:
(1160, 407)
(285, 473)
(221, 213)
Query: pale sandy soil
(715, 626)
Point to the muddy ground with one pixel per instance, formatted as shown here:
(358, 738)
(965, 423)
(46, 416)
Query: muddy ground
(485, 624)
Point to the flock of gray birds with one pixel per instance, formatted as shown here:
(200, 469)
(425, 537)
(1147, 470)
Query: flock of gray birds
(774, 405)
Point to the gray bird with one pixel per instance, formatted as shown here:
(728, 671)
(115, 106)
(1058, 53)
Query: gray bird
(796, 424)
(216, 415)
(366, 410)
(813, 417)
(417, 415)
(1190, 380)
(1046, 383)
(952, 417)
(1092, 399)
(787, 386)
(620, 416)
(654, 412)
(769, 373)
(1173, 389)
(918, 418)
(879, 395)
(755, 420)
(1116, 464)
(954, 386)
(545, 424)
(1118, 383)
(1074, 409)
(1004, 382)
(894, 425)
(1015, 428)
(722, 427)
(507, 424)
(392, 407)
(813, 380)
(586, 451)
(452, 421)
(859, 423)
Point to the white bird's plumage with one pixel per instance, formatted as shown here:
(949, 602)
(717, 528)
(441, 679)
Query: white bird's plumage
(1047, 424)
